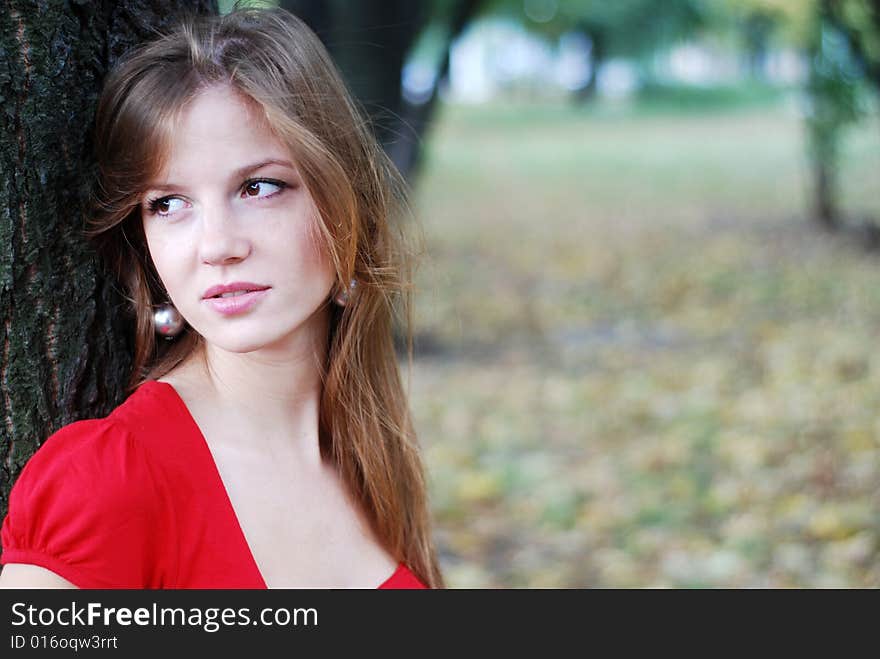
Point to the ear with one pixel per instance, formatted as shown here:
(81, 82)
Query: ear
(343, 297)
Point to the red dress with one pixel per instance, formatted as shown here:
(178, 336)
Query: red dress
(134, 500)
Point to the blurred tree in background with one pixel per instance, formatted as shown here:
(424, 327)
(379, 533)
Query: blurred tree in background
(372, 41)
(844, 47)
(841, 40)
(624, 28)
(833, 90)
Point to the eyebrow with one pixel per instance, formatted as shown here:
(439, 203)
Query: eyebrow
(238, 173)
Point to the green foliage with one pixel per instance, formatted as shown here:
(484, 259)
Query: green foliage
(673, 98)
(834, 90)
(226, 6)
(794, 17)
(842, 40)
(841, 67)
(628, 27)
(861, 19)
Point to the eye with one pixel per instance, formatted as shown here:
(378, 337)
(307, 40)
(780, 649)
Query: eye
(266, 187)
(165, 206)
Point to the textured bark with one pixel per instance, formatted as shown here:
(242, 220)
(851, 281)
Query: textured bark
(64, 340)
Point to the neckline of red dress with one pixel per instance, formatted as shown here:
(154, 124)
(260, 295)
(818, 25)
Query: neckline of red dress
(188, 417)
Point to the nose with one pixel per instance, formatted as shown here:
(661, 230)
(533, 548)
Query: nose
(221, 241)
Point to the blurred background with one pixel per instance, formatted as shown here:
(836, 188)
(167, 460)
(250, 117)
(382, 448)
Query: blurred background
(646, 318)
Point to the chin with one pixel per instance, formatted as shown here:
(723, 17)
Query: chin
(269, 333)
(241, 341)
(250, 339)
(240, 346)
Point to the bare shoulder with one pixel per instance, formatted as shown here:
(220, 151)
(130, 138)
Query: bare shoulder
(20, 575)
(188, 380)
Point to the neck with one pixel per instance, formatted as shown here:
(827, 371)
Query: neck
(274, 392)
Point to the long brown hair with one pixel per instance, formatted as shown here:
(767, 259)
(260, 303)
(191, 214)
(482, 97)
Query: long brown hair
(272, 58)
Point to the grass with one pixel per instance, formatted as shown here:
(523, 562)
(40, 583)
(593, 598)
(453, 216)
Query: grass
(649, 368)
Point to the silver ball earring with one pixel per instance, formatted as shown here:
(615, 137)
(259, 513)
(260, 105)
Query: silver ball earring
(345, 296)
(167, 321)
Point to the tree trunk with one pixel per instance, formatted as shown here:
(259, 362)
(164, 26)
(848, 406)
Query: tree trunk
(414, 119)
(316, 14)
(758, 29)
(598, 54)
(831, 108)
(825, 211)
(369, 41)
(65, 350)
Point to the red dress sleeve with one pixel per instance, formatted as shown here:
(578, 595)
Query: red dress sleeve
(85, 506)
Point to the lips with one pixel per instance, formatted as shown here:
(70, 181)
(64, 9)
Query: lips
(233, 289)
(236, 304)
(234, 298)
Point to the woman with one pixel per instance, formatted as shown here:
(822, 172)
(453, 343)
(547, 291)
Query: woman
(266, 441)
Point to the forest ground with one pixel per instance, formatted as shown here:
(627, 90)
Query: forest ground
(637, 362)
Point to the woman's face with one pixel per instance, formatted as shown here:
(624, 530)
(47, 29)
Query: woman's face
(231, 209)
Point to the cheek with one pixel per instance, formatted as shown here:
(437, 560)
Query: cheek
(165, 255)
(316, 248)
(306, 243)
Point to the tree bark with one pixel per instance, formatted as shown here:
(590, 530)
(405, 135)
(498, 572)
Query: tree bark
(65, 344)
